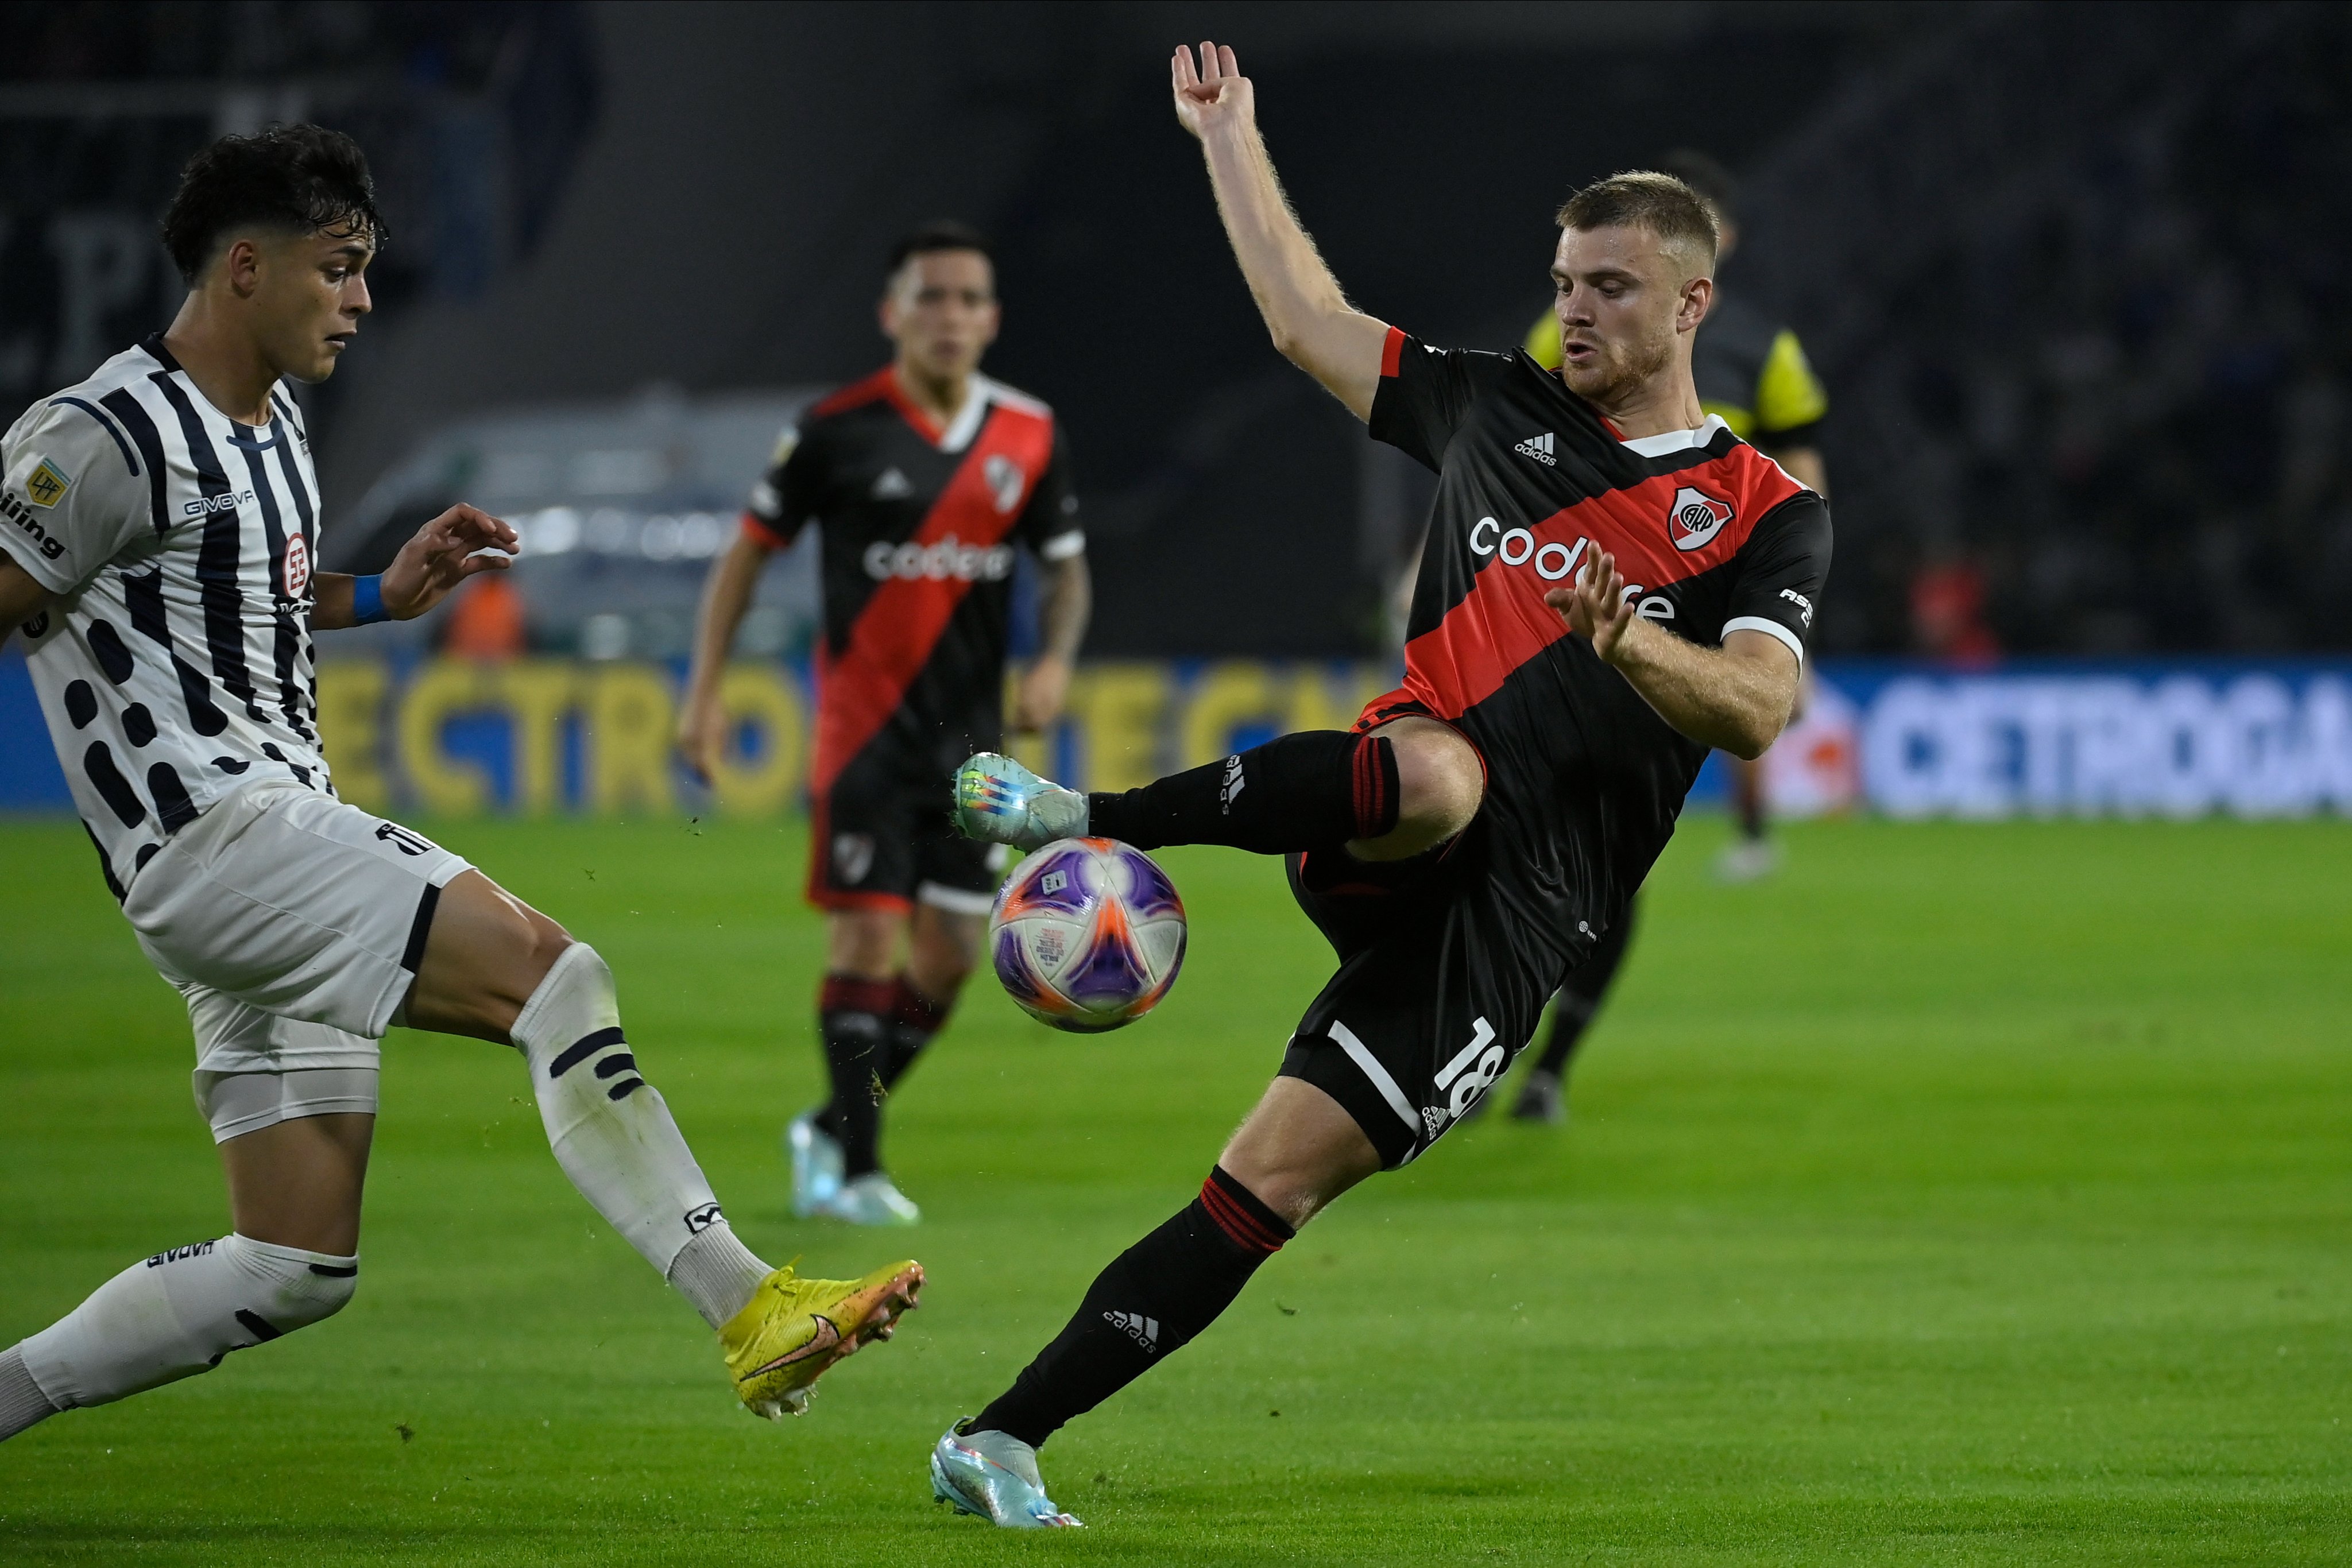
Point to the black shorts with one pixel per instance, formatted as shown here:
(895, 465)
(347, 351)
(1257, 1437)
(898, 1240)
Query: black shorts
(1438, 988)
(881, 838)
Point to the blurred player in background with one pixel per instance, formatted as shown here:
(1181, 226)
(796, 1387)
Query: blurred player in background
(1752, 374)
(921, 479)
(1480, 830)
(161, 519)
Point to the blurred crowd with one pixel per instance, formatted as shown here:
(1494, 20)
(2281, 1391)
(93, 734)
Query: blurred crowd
(2110, 416)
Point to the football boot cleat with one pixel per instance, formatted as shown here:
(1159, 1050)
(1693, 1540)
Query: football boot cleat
(994, 1476)
(793, 1330)
(870, 1199)
(816, 1161)
(999, 801)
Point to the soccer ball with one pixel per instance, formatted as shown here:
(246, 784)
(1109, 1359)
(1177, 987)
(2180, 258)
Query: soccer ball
(1087, 935)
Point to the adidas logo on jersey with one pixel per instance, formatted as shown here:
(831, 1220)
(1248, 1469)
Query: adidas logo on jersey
(892, 487)
(1143, 1331)
(1539, 448)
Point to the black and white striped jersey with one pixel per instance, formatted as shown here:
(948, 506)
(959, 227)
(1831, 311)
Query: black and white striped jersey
(173, 663)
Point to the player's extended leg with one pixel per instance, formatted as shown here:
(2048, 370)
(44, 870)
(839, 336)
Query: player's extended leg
(1299, 1150)
(497, 969)
(942, 946)
(838, 1149)
(1406, 786)
(875, 1017)
(1543, 1096)
(291, 1260)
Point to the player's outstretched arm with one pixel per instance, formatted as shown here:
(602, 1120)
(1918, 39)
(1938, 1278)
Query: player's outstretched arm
(442, 554)
(725, 595)
(1310, 320)
(21, 598)
(1736, 698)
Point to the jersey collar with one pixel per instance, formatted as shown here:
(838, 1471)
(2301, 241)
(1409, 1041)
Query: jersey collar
(1669, 441)
(968, 420)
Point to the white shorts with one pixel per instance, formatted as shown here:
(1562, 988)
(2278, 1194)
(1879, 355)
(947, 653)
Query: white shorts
(293, 925)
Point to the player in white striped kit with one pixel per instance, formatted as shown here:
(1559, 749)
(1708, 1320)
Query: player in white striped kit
(158, 523)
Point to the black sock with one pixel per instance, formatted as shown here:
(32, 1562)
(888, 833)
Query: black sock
(1159, 1293)
(1568, 1016)
(914, 1019)
(854, 1019)
(1299, 792)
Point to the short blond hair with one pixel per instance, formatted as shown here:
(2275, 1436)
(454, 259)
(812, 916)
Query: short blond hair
(1646, 199)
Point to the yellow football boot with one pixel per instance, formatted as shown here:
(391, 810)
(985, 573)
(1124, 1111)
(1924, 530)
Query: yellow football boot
(793, 1329)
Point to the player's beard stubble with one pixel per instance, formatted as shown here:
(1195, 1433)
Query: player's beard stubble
(1622, 369)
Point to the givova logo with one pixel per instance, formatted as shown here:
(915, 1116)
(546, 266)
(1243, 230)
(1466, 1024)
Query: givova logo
(175, 1254)
(204, 504)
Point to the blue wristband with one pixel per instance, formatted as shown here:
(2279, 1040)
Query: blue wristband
(367, 600)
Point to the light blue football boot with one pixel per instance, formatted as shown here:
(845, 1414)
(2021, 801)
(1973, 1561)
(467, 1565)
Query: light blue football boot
(998, 801)
(993, 1475)
(816, 1161)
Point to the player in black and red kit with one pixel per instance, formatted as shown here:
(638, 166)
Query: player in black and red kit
(1614, 583)
(923, 480)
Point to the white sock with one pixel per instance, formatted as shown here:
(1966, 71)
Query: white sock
(609, 1128)
(718, 1273)
(22, 1403)
(178, 1313)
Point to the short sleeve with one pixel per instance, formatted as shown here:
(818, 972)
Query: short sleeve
(787, 494)
(1778, 574)
(1426, 392)
(1049, 524)
(74, 499)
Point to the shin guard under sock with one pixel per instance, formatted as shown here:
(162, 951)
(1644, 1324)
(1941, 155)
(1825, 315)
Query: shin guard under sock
(610, 1129)
(915, 1018)
(854, 1019)
(179, 1312)
(1299, 792)
(1158, 1295)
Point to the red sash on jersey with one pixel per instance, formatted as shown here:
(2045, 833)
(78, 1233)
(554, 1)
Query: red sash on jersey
(894, 635)
(1502, 622)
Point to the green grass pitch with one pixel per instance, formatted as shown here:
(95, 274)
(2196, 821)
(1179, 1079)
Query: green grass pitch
(1964, 1194)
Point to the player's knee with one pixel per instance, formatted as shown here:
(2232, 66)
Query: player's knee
(863, 942)
(1439, 783)
(324, 1287)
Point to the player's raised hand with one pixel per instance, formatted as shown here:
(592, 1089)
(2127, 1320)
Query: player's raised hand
(1597, 606)
(1215, 95)
(442, 555)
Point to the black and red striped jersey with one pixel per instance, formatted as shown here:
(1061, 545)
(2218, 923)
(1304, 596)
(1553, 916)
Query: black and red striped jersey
(1584, 779)
(918, 525)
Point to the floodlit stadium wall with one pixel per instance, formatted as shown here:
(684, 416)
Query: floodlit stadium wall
(447, 737)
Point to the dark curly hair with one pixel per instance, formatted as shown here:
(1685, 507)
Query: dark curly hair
(303, 179)
(939, 233)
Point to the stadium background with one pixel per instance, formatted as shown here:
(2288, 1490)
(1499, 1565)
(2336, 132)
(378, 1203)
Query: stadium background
(2075, 280)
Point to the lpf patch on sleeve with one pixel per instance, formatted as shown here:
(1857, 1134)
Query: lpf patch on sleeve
(47, 484)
